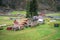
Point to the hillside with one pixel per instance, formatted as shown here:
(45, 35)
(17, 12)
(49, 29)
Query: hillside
(53, 5)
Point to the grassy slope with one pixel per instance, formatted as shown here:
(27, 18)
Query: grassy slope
(18, 12)
(39, 33)
(5, 20)
(53, 14)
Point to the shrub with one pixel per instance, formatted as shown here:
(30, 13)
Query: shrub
(1, 28)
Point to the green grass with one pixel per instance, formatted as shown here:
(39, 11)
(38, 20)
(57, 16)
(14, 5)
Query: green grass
(18, 12)
(53, 14)
(37, 33)
(5, 20)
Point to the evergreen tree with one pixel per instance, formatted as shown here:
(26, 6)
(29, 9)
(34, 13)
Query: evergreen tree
(0, 2)
(31, 8)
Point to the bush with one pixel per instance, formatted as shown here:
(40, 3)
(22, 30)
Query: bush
(54, 24)
(1, 28)
(47, 19)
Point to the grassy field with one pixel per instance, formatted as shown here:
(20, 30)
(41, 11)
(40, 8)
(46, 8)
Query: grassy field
(18, 12)
(41, 32)
(53, 14)
(5, 20)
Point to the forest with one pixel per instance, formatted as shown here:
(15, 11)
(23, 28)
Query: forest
(53, 5)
